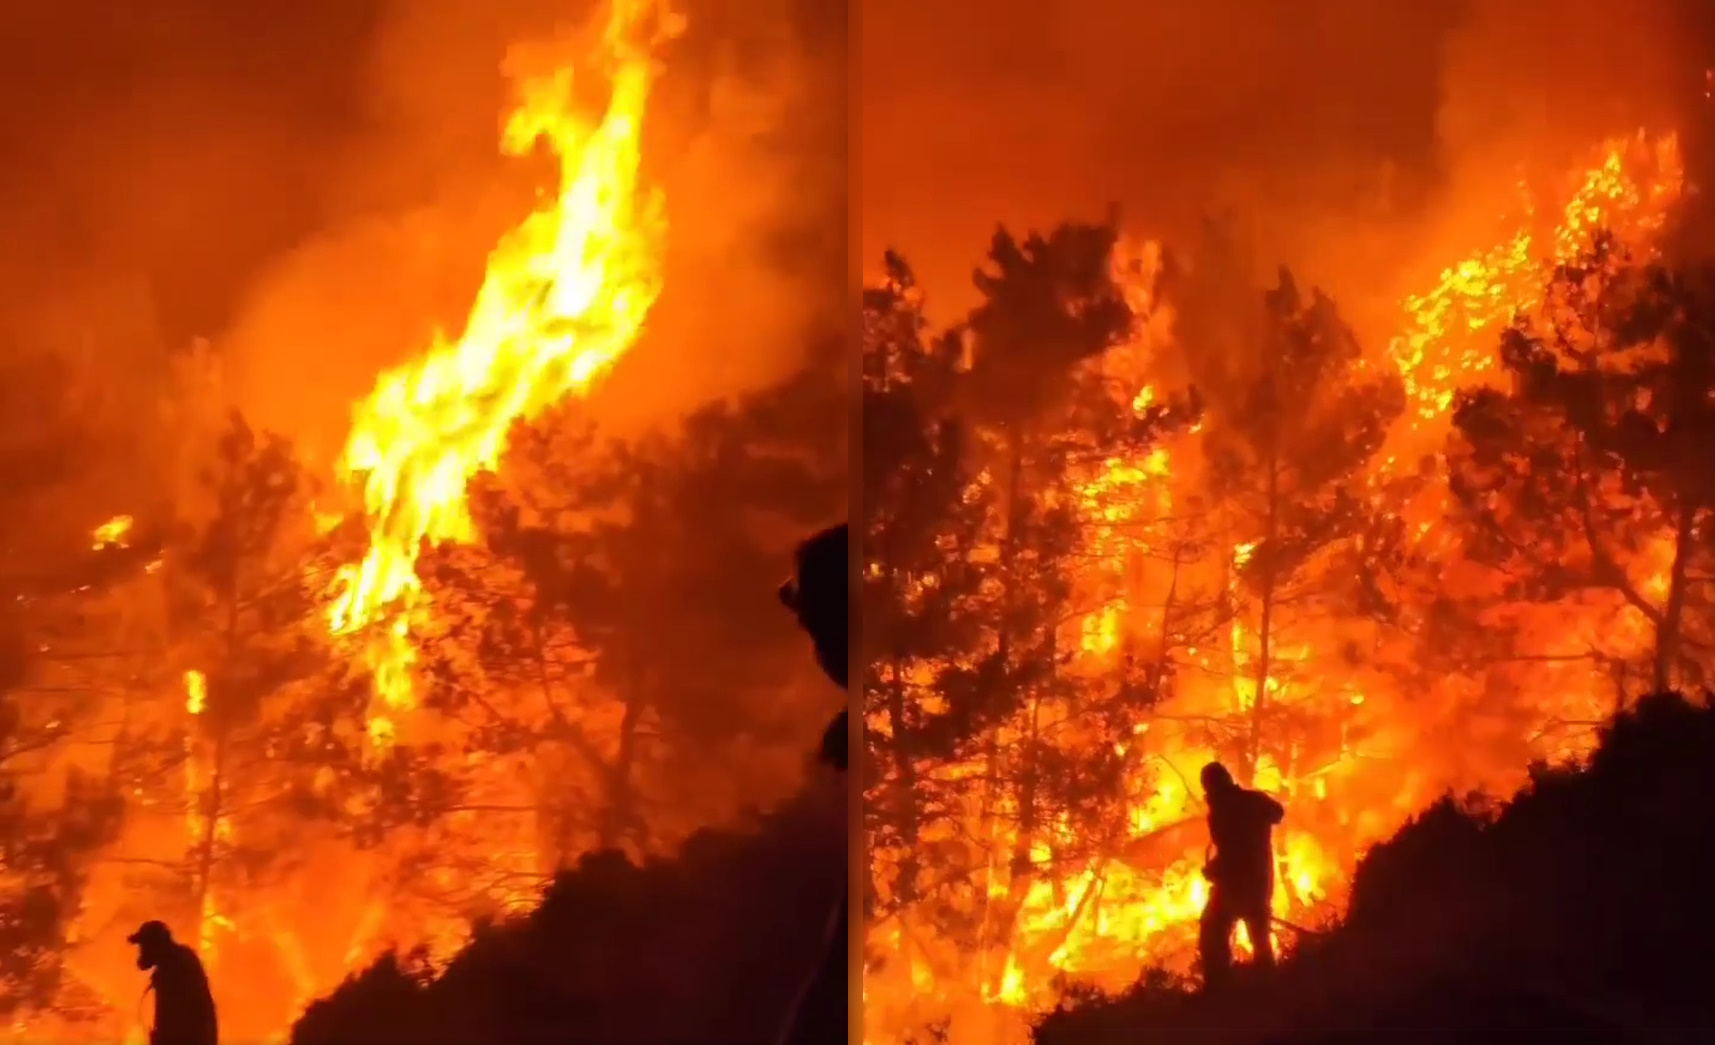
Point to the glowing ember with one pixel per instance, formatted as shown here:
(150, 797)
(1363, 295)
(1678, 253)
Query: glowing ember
(566, 294)
(114, 533)
(196, 692)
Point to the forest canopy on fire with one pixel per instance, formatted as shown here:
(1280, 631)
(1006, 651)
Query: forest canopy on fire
(309, 700)
(1149, 505)
(182, 738)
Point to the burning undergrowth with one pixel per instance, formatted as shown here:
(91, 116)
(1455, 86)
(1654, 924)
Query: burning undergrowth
(1149, 507)
(1572, 906)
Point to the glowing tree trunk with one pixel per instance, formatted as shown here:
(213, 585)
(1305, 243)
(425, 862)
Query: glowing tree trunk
(1266, 593)
(620, 810)
(905, 768)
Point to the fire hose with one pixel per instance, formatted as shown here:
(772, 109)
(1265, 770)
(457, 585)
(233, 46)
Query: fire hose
(830, 940)
(150, 986)
(1295, 927)
(1208, 861)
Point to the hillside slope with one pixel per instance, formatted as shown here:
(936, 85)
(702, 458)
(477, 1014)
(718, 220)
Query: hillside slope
(709, 946)
(1586, 904)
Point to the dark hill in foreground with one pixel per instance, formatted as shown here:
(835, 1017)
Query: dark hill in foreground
(709, 946)
(1586, 905)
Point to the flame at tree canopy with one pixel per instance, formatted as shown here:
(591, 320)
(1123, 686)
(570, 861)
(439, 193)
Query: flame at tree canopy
(565, 295)
(1451, 328)
(1102, 918)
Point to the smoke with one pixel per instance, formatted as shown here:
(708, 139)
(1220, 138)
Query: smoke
(162, 153)
(1356, 138)
(1527, 89)
(728, 142)
(753, 153)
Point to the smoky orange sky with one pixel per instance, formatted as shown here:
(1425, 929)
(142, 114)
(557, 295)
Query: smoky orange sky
(313, 186)
(1356, 134)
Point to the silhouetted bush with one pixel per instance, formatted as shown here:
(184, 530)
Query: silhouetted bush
(1585, 905)
(709, 946)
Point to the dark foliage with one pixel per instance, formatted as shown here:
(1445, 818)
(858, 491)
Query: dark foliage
(719, 941)
(709, 946)
(50, 578)
(44, 859)
(1598, 447)
(1581, 905)
(1293, 423)
(1048, 303)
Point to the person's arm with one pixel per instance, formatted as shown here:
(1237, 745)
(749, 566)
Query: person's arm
(1272, 810)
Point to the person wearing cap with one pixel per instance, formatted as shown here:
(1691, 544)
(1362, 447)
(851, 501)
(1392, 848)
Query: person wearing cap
(184, 1006)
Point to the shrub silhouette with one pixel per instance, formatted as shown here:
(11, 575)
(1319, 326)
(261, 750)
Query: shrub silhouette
(1584, 904)
(708, 946)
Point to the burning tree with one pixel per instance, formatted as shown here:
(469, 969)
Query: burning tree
(732, 687)
(45, 853)
(228, 776)
(54, 820)
(997, 749)
(58, 809)
(407, 796)
(556, 627)
(1586, 481)
(1292, 419)
(1285, 570)
(1050, 309)
(928, 670)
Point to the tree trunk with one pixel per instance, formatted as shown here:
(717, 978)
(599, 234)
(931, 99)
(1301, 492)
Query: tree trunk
(554, 827)
(1265, 624)
(213, 798)
(905, 785)
(212, 802)
(999, 916)
(621, 812)
(1010, 525)
(1673, 610)
(1019, 866)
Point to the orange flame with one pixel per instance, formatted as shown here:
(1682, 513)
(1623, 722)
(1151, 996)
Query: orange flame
(196, 692)
(114, 533)
(1102, 923)
(1448, 343)
(201, 825)
(566, 294)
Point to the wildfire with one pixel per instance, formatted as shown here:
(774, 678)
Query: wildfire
(114, 533)
(566, 294)
(196, 692)
(1449, 339)
(201, 828)
(1102, 921)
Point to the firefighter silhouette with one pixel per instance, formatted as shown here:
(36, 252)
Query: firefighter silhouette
(1241, 874)
(184, 1006)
